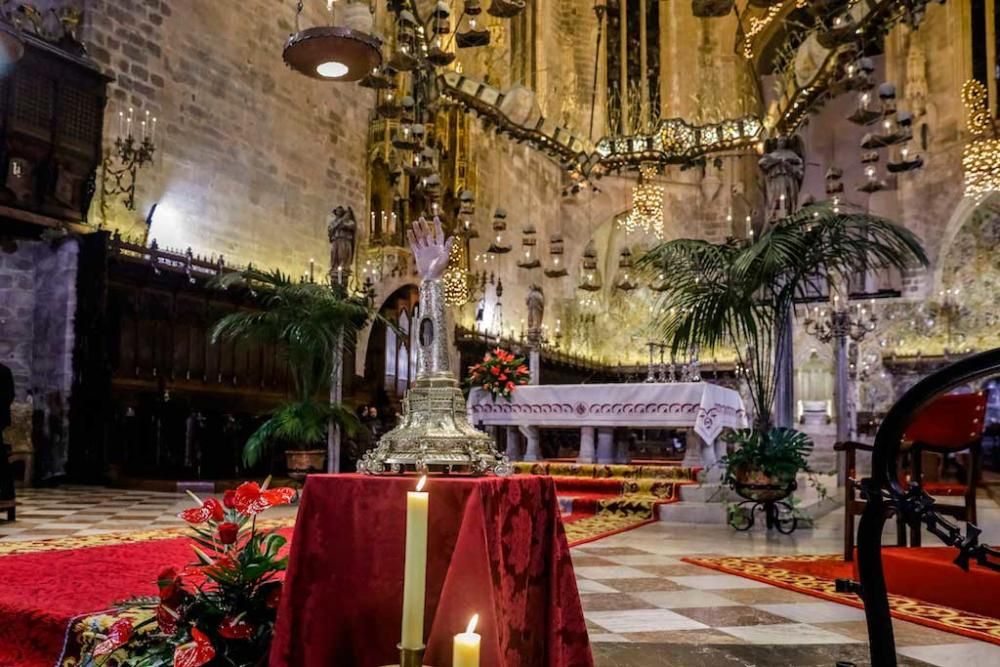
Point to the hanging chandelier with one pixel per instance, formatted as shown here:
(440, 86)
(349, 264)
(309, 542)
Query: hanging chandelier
(647, 203)
(590, 276)
(345, 52)
(981, 157)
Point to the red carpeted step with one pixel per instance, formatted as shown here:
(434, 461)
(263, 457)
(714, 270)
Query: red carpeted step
(930, 574)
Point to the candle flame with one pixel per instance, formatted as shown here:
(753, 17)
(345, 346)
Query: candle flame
(472, 624)
(420, 484)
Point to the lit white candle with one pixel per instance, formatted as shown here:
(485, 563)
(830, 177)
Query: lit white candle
(415, 568)
(465, 651)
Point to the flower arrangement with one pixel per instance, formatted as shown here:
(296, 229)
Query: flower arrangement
(499, 373)
(220, 609)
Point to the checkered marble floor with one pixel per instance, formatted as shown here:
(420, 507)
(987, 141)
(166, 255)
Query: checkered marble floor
(644, 607)
(88, 510)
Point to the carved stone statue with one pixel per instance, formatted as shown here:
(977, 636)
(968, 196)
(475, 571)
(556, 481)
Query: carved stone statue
(536, 311)
(783, 169)
(342, 229)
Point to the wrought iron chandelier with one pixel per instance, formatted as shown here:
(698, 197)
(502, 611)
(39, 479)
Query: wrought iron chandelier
(339, 52)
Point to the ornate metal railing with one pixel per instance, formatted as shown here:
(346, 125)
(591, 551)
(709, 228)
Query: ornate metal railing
(883, 489)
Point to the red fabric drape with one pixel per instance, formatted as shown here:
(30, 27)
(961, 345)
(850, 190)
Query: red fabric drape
(496, 547)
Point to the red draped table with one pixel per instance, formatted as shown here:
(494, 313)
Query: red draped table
(496, 548)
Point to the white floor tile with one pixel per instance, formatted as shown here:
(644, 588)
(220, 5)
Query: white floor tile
(715, 582)
(591, 586)
(642, 620)
(979, 654)
(610, 572)
(814, 612)
(786, 633)
(685, 599)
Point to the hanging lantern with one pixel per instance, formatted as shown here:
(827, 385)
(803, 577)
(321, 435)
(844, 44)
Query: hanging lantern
(590, 276)
(472, 7)
(834, 184)
(557, 268)
(388, 104)
(659, 284)
(430, 185)
(506, 8)
(865, 112)
(624, 282)
(378, 78)
(901, 159)
(441, 28)
(335, 52)
(456, 277)
(529, 258)
(404, 55)
(858, 74)
(647, 203)
(466, 209)
(472, 34)
(872, 182)
(498, 245)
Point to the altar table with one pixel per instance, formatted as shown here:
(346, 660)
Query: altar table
(704, 408)
(496, 547)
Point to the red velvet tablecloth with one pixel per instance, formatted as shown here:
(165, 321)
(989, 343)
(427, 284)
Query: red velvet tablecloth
(496, 547)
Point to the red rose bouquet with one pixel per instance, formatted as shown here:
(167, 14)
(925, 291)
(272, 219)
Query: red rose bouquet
(220, 609)
(499, 373)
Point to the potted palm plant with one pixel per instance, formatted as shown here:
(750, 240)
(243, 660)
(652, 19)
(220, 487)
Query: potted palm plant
(741, 294)
(311, 324)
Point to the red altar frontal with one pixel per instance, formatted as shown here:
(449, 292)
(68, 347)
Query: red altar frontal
(495, 547)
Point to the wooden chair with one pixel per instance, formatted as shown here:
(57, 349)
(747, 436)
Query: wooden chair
(853, 504)
(951, 424)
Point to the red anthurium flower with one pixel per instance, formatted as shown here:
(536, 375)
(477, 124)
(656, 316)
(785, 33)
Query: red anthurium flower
(231, 628)
(171, 586)
(118, 635)
(495, 370)
(196, 652)
(228, 532)
(251, 500)
(210, 509)
(522, 369)
(166, 619)
(229, 499)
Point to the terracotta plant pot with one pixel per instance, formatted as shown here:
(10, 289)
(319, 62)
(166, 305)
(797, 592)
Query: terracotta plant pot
(301, 462)
(753, 484)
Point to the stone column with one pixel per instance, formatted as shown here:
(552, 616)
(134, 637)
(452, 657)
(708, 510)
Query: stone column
(533, 450)
(605, 445)
(513, 444)
(586, 445)
(535, 365)
(783, 168)
(622, 449)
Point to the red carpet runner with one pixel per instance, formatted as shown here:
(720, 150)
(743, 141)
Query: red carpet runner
(47, 587)
(601, 500)
(925, 586)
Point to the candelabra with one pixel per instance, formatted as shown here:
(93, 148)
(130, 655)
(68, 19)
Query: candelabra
(130, 154)
(841, 322)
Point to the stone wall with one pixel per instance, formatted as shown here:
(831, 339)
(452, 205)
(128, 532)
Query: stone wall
(251, 156)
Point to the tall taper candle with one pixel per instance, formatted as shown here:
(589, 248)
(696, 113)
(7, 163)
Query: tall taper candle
(465, 650)
(415, 572)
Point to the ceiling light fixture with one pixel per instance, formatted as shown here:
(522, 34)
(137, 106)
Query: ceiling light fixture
(335, 52)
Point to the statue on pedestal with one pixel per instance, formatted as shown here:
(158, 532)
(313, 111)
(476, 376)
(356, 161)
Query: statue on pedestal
(536, 312)
(434, 431)
(342, 229)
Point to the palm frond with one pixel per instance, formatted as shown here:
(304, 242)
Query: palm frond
(741, 293)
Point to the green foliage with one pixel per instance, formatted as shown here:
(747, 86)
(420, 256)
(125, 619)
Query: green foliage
(779, 453)
(308, 322)
(741, 293)
(302, 423)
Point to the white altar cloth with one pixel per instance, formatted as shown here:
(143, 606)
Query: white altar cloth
(705, 408)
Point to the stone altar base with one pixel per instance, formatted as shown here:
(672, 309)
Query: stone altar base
(707, 503)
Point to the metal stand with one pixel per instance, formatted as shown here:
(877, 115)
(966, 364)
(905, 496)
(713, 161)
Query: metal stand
(410, 657)
(766, 498)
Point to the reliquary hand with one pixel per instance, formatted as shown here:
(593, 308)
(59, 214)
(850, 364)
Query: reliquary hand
(430, 249)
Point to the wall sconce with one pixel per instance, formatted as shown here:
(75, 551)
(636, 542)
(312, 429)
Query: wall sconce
(130, 153)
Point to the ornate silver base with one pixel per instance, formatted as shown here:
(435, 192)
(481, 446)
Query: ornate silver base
(434, 435)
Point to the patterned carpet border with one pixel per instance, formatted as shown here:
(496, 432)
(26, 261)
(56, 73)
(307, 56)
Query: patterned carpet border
(761, 568)
(105, 539)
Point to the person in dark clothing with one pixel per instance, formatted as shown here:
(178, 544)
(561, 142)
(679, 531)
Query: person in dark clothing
(6, 399)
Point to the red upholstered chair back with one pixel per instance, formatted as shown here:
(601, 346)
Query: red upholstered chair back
(950, 422)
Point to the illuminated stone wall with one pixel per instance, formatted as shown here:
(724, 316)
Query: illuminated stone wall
(251, 156)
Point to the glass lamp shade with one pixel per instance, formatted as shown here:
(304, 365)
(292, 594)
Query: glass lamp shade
(333, 53)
